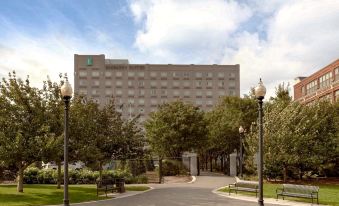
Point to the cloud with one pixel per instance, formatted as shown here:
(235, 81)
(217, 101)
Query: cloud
(187, 31)
(301, 39)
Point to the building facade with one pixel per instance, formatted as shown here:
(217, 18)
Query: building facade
(139, 88)
(322, 85)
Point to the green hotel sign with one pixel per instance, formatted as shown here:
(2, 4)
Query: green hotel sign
(89, 61)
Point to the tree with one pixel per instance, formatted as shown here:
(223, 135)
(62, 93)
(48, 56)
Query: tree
(23, 129)
(175, 128)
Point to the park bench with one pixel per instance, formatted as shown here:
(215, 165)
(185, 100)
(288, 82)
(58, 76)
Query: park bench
(303, 191)
(111, 185)
(243, 185)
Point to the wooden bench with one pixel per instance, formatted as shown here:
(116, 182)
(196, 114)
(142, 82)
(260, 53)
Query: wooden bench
(303, 191)
(243, 185)
(111, 185)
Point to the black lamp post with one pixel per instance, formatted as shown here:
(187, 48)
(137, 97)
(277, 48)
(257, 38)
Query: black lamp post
(241, 132)
(66, 92)
(260, 92)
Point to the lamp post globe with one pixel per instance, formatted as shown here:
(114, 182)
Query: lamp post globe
(241, 131)
(260, 92)
(66, 93)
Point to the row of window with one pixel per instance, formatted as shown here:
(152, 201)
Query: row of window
(154, 92)
(119, 83)
(153, 102)
(323, 82)
(108, 74)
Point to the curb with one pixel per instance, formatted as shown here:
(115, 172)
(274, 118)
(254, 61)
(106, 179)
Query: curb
(266, 200)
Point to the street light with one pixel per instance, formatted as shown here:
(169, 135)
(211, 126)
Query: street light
(260, 92)
(66, 93)
(241, 132)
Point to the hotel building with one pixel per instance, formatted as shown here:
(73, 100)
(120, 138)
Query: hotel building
(139, 88)
(323, 84)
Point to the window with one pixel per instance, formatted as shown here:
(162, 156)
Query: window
(95, 92)
(209, 102)
(82, 83)
(209, 75)
(141, 74)
(96, 83)
(232, 93)
(95, 74)
(186, 84)
(141, 110)
(198, 83)
(176, 74)
(198, 102)
(141, 84)
(303, 91)
(311, 87)
(198, 75)
(164, 92)
(154, 101)
(131, 74)
(199, 93)
(231, 84)
(221, 84)
(176, 93)
(176, 84)
(221, 75)
(336, 73)
(130, 83)
(141, 101)
(130, 101)
(153, 83)
(163, 83)
(209, 93)
(153, 92)
(221, 93)
(163, 74)
(232, 75)
(336, 96)
(108, 74)
(108, 92)
(130, 92)
(186, 74)
(209, 84)
(108, 83)
(187, 93)
(153, 74)
(118, 92)
(142, 92)
(83, 91)
(82, 74)
(118, 74)
(325, 80)
(118, 83)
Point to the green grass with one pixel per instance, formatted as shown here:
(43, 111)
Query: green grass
(328, 194)
(49, 195)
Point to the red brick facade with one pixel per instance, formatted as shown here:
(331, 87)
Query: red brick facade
(323, 84)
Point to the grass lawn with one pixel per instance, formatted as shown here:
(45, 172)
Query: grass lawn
(49, 195)
(328, 194)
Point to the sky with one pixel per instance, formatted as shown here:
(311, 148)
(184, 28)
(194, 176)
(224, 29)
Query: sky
(276, 40)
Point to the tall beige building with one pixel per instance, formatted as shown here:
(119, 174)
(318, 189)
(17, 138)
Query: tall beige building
(139, 88)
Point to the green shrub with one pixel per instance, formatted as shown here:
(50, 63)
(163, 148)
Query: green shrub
(141, 179)
(173, 167)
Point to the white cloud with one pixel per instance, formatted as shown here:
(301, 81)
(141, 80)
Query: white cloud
(182, 30)
(301, 38)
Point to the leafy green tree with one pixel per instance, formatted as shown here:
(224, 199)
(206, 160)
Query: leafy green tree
(23, 129)
(175, 128)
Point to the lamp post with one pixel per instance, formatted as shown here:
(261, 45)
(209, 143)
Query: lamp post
(66, 93)
(241, 132)
(260, 92)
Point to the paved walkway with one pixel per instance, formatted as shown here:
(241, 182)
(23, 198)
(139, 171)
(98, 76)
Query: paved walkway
(199, 193)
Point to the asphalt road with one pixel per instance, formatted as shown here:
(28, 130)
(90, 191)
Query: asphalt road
(197, 194)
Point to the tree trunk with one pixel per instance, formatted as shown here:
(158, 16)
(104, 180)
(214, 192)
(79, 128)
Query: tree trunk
(222, 163)
(285, 173)
(206, 162)
(59, 175)
(100, 171)
(211, 163)
(300, 173)
(20, 179)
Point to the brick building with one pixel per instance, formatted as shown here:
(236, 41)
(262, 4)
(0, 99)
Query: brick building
(139, 88)
(323, 84)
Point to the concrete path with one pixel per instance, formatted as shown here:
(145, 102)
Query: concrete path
(199, 193)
